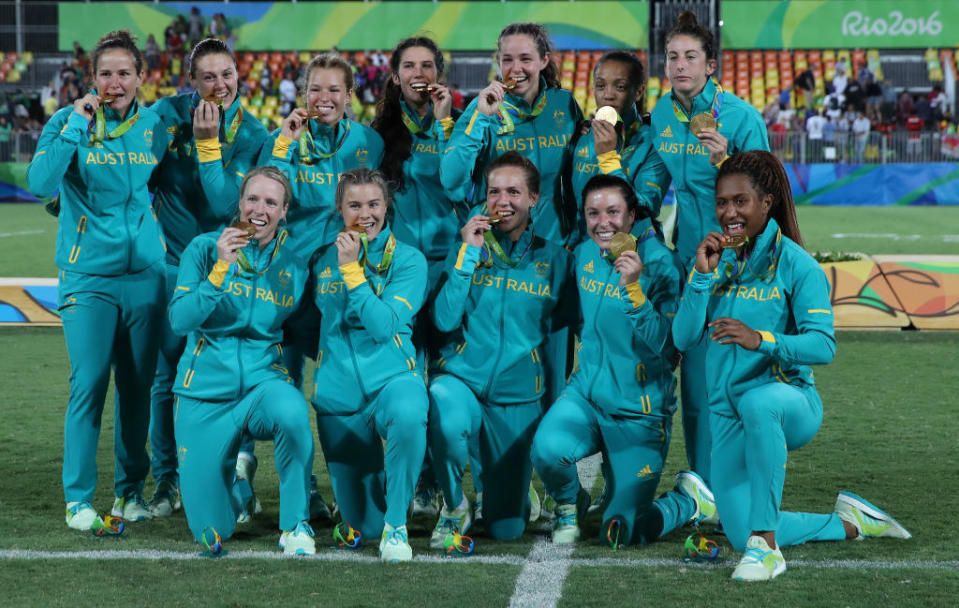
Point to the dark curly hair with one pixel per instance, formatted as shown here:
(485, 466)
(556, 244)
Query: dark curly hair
(767, 176)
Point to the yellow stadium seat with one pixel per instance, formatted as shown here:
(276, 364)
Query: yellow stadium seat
(27, 57)
(13, 76)
(271, 101)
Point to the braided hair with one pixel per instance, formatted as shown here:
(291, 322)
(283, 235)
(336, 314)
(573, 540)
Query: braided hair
(540, 37)
(688, 25)
(767, 176)
(389, 122)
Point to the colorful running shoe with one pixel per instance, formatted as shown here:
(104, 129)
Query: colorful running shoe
(759, 562)
(868, 519)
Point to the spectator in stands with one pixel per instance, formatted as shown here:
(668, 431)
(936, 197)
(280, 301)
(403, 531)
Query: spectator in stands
(937, 101)
(855, 96)
(806, 81)
(834, 105)
(378, 59)
(840, 81)
(50, 106)
(458, 101)
(924, 111)
(287, 95)
(5, 129)
(906, 105)
(814, 130)
(196, 26)
(151, 50)
(829, 140)
(873, 99)
(914, 127)
(218, 26)
(860, 130)
(785, 97)
(888, 103)
(771, 113)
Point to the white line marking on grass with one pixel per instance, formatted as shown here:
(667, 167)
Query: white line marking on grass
(21, 233)
(31, 281)
(547, 555)
(540, 583)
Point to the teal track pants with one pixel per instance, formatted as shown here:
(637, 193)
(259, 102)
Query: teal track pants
(505, 434)
(208, 438)
(695, 404)
(109, 321)
(371, 486)
(635, 450)
(749, 465)
(162, 439)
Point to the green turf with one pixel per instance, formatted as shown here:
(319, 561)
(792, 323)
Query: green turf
(28, 238)
(888, 435)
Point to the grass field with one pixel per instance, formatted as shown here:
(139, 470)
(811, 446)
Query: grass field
(889, 434)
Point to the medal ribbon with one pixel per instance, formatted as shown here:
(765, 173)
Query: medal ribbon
(715, 105)
(244, 263)
(509, 113)
(493, 245)
(412, 122)
(99, 129)
(308, 147)
(387, 253)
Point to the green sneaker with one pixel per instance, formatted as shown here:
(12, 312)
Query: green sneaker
(759, 562)
(166, 499)
(868, 519)
(299, 540)
(395, 545)
(81, 516)
(131, 509)
(566, 525)
(451, 520)
(534, 503)
(693, 486)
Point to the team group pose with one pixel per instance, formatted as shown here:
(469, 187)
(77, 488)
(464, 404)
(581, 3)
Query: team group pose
(436, 267)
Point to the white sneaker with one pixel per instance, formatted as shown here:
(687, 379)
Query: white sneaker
(166, 500)
(131, 509)
(395, 545)
(693, 486)
(298, 541)
(456, 520)
(425, 503)
(759, 562)
(868, 519)
(566, 527)
(81, 516)
(534, 503)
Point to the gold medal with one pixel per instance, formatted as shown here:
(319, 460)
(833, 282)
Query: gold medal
(608, 114)
(250, 228)
(734, 241)
(702, 121)
(621, 243)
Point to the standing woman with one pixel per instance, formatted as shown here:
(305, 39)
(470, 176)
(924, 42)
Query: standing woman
(762, 305)
(415, 118)
(214, 142)
(99, 155)
(527, 113)
(368, 394)
(698, 125)
(500, 297)
(234, 291)
(625, 150)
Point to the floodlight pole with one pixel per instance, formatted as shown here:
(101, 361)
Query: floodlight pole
(18, 10)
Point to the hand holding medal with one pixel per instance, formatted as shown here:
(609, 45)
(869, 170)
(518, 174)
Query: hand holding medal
(348, 243)
(704, 127)
(296, 122)
(622, 248)
(474, 229)
(233, 239)
(206, 117)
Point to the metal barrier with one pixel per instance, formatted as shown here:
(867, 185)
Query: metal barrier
(875, 148)
(20, 148)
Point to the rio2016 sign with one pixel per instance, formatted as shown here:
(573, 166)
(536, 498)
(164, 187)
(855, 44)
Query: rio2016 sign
(827, 24)
(896, 24)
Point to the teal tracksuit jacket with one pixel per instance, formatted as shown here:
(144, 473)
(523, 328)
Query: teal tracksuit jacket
(635, 160)
(312, 220)
(424, 216)
(496, 317)
(230, 381)
(198, 183)
(110, 292)
(762, 403)
(106, 223)
(543, 138)
(627, 357)
(233, 329)
(694, 178)
(196, 188)
(370, 399)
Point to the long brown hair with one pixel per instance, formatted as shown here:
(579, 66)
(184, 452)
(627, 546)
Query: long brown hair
(544, 47)
(119, 39)
(767, 176)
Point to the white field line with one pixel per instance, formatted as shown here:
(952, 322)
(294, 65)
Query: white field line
(509, 560)
(21, 233)
(540, 582)
(31, 281)
(895, 236)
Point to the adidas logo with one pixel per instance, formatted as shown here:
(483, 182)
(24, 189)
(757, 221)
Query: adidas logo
(327, 273)
(667, 132)
(588, 267)
(645, 472)
(584, 152)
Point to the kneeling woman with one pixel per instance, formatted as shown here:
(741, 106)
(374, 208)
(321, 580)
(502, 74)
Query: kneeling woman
(366, 389)
(233, 293)
(499, 299)
(764, 303)
(622, 398)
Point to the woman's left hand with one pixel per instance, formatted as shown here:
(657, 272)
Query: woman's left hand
(716, 143)
(442, 101)
(347, 247)
(206, 120)
(733, 331)
(629, 267)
